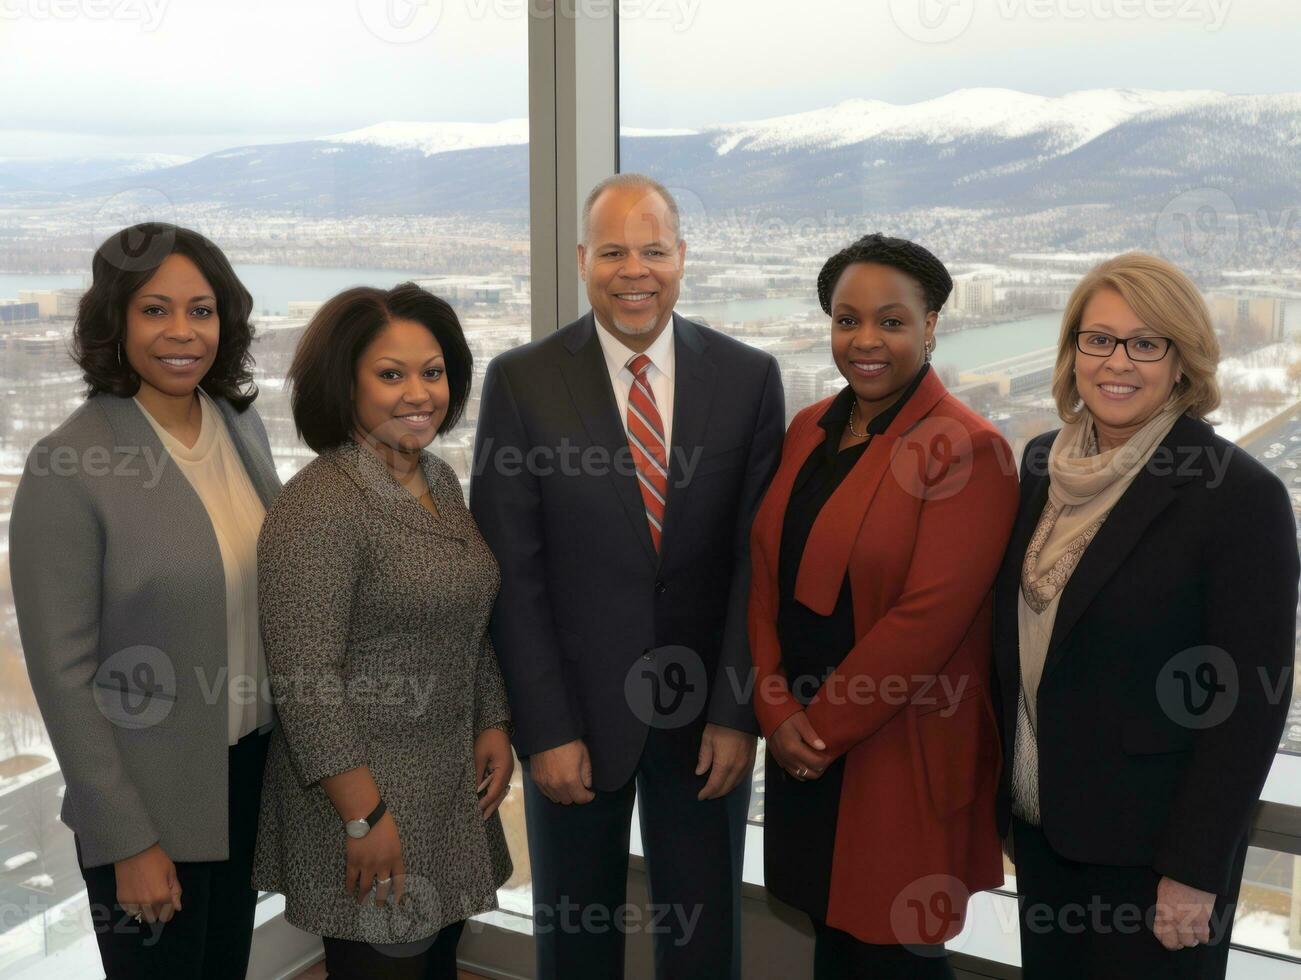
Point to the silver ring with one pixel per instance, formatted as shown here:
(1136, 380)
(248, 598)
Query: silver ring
(1195, 942)
(384, 881)
(802, 773)
(139, 916)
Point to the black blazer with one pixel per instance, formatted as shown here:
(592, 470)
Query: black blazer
(1169, 670)
(583, 594)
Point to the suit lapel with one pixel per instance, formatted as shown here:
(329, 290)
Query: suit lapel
(1152, 492)
(772, 510)
(835, 531)
(133, 436)
(258, 463)
(693, 395)
(588, 380)
(1034, 495)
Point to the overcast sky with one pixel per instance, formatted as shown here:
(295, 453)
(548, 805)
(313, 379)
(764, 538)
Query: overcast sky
(193, 76)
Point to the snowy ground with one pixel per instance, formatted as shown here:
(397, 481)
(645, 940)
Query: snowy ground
(1263, 930)
(1263, 372)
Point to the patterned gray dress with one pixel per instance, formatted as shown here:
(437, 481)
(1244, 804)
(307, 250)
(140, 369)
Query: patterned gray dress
(375, 623)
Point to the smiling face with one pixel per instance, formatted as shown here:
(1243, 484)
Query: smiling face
(1122, 394)
(401, 393)
(879, 329)
(172, 329)
(632, 264)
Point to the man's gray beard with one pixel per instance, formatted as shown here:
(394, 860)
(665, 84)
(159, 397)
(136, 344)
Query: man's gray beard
(634, 331)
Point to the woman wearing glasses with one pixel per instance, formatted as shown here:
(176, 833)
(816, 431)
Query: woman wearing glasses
(1145, 617)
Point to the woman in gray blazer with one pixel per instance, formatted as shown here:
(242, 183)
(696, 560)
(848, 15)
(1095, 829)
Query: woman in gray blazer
(379, 818)
(132, 549)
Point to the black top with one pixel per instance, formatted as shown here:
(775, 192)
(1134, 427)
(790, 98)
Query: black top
(800, 817)
(813, 646)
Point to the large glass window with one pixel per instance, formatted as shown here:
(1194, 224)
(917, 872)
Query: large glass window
(1021, 142)
(321, 145)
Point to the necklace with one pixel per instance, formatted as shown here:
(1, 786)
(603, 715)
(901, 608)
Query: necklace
(853, 410)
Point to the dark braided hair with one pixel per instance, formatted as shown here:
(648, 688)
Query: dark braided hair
(908, 257)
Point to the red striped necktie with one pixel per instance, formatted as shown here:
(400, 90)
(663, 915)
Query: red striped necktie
(646, 439)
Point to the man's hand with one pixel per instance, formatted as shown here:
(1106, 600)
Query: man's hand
(564, 774)
(798, 749)
(728, 756)
(1183, 914)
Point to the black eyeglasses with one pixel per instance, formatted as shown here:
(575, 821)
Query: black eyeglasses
(1136, 348)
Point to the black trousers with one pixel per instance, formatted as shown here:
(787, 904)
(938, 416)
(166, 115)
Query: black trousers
(427, 959)
(209, 938)
(1092, 921)
(693, 849)
(838, 955)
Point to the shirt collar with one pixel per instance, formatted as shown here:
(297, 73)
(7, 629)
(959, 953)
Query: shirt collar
(618, 354)
(836, 417)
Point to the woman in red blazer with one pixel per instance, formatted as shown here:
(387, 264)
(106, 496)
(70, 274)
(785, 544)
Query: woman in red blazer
(870, 626)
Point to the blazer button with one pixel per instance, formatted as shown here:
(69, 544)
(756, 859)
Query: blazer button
(660, 588)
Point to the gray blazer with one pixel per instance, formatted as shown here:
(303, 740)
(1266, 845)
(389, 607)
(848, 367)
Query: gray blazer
(375, 623)
(121, 599)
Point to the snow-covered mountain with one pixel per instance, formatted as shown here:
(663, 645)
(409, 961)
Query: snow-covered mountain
(432, 138)
(1067, 121)
(1128, 150)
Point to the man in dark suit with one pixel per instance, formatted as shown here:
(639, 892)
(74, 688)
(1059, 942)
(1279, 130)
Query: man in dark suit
(618, 466)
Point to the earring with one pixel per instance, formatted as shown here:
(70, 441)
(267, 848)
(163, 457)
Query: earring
(119, 353)
(927, 347)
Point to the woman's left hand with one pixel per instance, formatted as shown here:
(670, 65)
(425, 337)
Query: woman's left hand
(493, 765)
(1183, 914)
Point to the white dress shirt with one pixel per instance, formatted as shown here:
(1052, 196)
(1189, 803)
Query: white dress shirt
(660, 375)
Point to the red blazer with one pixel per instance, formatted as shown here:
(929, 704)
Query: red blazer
(920, 525)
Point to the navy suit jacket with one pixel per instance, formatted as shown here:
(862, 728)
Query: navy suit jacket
(584, 596)
(1192, 580)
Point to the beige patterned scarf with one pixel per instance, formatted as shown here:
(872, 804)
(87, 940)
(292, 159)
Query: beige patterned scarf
(1084, 485)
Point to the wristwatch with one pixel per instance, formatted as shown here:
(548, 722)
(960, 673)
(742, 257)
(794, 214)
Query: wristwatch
(358, 829)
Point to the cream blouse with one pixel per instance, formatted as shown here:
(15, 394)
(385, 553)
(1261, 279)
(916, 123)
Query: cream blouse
(217, 474)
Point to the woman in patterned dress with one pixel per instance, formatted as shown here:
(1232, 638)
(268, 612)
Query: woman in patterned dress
(379, 818)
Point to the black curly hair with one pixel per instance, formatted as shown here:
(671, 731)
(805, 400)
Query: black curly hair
(122, 264)
(908, 257)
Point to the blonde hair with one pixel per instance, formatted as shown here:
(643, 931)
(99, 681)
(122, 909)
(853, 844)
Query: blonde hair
(1166, 300)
